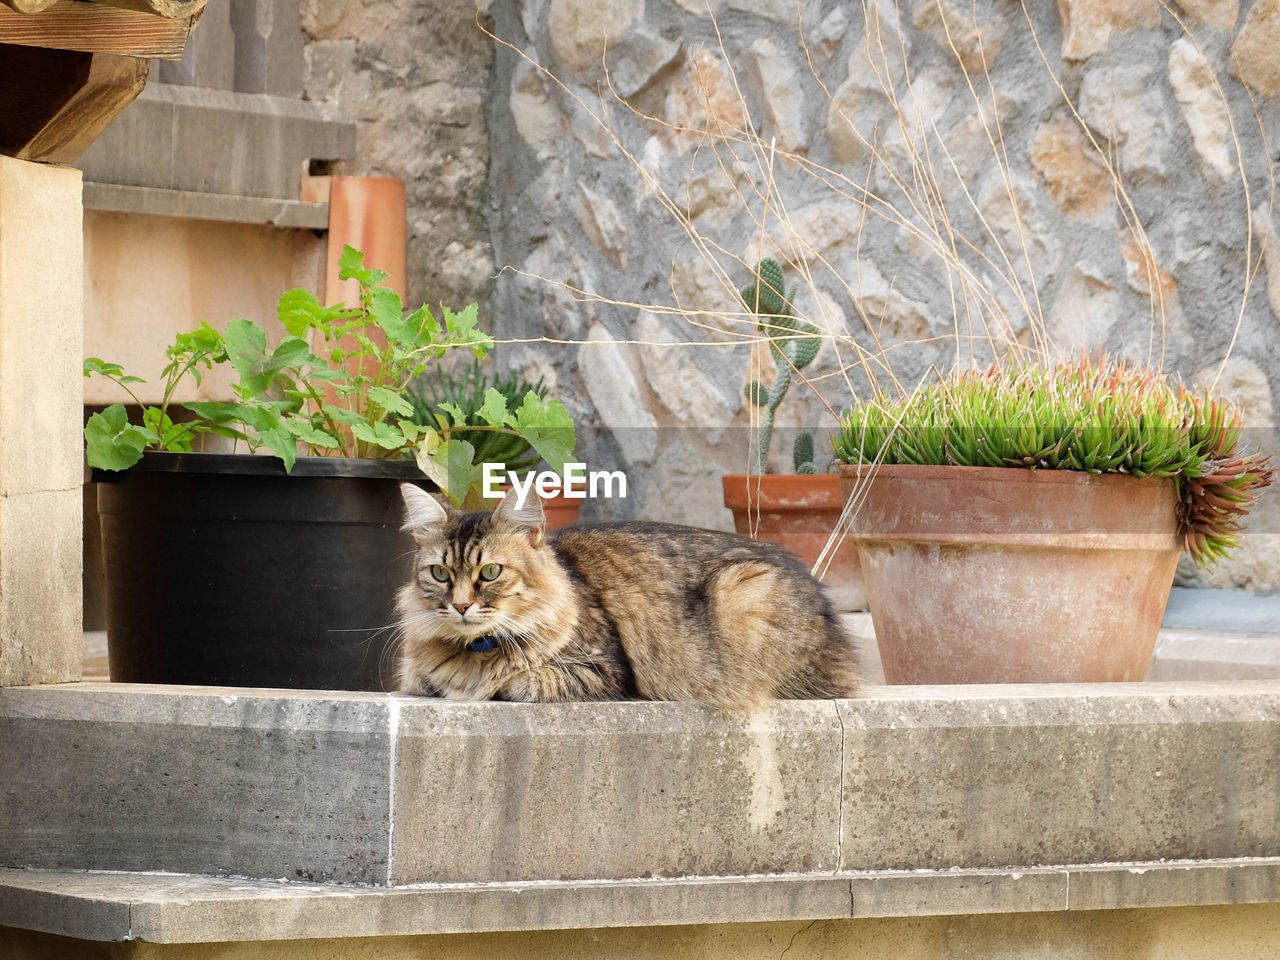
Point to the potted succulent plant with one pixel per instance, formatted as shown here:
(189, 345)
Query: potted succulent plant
(797, 510)
(246, 570)
(498, 420)
(1023, 523)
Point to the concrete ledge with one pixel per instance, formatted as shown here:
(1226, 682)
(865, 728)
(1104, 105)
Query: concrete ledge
(390, 790)
(584, 791)
(219, 142)
(195, 781)
(190, 205)
(1073, 773)
(1183, 654)
(186, 909)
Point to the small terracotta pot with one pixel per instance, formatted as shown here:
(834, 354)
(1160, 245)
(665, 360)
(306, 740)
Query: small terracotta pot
(993, 575)
(799, 511)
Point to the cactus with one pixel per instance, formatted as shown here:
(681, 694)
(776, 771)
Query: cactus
(794, 341)
(802, 453)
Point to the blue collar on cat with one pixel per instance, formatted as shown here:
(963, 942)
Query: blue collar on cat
(482, 644)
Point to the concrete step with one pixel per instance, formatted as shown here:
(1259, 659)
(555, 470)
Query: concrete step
(389, 790)
(173, 908)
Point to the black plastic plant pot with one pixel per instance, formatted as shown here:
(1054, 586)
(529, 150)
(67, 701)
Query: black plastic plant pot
(223, 570)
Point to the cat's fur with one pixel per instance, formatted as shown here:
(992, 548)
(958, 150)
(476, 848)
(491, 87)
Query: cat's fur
(611, 612)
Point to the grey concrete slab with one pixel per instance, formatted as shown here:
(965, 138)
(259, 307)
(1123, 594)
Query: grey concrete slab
(1060, 774)
(219, 142)
(167, 908)
(495, 791)
(928, 893)
(191, 205)
(269, 46)
(70, 905)
(486, 908)
(209, 58)
(1187, 654)
(1234, 610)
(256, 783)
(1115, 886)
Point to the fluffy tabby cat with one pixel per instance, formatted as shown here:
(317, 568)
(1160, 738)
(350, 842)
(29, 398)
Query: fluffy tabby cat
(625, 611)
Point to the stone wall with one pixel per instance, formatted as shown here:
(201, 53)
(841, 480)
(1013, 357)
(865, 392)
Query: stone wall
(948, 182)
(414, 75)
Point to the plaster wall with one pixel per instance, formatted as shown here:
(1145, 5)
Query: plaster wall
(149, 278)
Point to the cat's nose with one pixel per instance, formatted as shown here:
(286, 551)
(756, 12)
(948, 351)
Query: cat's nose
(462, 607)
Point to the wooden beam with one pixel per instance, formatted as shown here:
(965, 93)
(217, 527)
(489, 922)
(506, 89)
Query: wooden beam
(55, 103)
(94, 28)
(171, 9)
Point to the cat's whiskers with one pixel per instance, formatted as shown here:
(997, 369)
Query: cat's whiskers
(505, 638)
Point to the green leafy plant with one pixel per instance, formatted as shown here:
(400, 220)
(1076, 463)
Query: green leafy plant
(347, 399)
(794, 342)
(470, 418)
(1095, 415)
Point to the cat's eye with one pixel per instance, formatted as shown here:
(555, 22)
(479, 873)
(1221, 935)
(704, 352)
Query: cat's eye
(439, 572)
(490, 571)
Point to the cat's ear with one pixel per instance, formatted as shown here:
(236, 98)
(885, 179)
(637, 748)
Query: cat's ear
(421, 510)
(527, 516)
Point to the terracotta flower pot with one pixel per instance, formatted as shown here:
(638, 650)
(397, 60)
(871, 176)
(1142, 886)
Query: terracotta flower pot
(799, 511)
(991, 575)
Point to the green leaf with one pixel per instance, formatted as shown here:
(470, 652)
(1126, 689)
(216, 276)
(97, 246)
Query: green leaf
(390, 401)
(412, 431)
(299, 311)
(174, 437)
(547, 427)
(448, 464)
(292, 353)
(342, 415)
(112, 442)
(267, 421)
(381, 434)
(461, 329)
(425, 326)
(458, 418)
(387, 311)
(214, 411)
(112, 371)
(494, 409)
(351, 265)
(247, 351)
(306, 431)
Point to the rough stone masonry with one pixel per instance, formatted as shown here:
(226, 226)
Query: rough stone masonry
(945, 178)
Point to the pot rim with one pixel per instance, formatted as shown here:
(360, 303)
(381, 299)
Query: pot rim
(776, 492)
(263, 465)
(1011, 506)
(931, 471)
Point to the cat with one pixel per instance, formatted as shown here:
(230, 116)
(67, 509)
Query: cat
(496, 610)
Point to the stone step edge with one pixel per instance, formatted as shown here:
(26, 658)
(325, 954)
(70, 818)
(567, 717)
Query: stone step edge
(182, 908)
